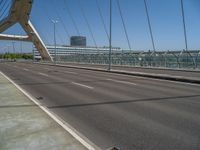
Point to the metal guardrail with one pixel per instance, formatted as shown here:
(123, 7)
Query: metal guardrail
(162, 59)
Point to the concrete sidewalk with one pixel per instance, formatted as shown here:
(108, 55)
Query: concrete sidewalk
(24, 126)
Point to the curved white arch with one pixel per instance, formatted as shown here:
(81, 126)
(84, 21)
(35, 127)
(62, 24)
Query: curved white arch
(20, 13)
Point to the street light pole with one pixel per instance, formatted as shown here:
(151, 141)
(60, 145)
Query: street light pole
(110, 39)
(21, 47)
(13, 44)
(9, 46)
(54, 27)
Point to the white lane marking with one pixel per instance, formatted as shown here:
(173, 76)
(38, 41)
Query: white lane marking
(119, 81)
(70, 72)
(153, 79)
(43, 74)
(78, 136)
(86, 86)
(26, 69)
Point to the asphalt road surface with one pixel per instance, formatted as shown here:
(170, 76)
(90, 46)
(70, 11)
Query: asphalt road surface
(194, 74)
(132, 113)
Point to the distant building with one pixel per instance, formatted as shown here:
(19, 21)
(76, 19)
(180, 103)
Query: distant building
(78, 41)
(74, 50)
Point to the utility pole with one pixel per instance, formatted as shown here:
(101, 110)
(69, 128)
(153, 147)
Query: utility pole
(110, 39)
(54, 27)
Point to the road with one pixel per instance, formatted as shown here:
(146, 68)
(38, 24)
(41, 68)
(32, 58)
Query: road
(132, 113)
(193, 74)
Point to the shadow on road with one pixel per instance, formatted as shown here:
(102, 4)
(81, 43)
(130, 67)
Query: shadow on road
(106, 102)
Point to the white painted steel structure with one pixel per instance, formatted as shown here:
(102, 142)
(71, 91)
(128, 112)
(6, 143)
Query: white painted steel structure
(20, 13)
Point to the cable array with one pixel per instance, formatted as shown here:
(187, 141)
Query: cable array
(50, 20)
(4, 9)
(102, 18)
(4, 5)
(87, 22)
(184, 24)
(149, 24)
(71, 17)
(62, 22)
(124, 25)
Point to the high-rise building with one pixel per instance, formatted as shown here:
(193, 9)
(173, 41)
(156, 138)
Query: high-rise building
(78, 41)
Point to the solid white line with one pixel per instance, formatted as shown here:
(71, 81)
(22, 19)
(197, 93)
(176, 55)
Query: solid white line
(78, 136)
(43, 74)
(26, 69)
(125, 82)
(89, 87)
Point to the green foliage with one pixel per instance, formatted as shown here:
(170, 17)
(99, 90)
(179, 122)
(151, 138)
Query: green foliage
(16, 56)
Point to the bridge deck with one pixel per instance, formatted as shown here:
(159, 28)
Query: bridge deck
(174, 73)
(116, 110)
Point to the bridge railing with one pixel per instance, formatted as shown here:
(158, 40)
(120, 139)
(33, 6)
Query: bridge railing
(159, 59)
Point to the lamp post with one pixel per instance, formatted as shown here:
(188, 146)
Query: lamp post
(6, 49)
(21, 47)
(9, 46)
(110, 38)
(55, 50)
(13, 44)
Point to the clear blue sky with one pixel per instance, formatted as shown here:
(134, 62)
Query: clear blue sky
(165, 18)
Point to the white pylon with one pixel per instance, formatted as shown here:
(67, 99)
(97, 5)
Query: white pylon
(20, 13)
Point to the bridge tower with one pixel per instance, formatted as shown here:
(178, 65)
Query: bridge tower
(20, 13)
